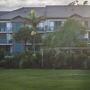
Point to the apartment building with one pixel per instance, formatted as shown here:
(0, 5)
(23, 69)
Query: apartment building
(11, 21)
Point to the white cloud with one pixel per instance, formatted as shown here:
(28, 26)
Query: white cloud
(12, 4)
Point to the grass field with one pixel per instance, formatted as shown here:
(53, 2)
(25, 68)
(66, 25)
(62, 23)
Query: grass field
(44, 80)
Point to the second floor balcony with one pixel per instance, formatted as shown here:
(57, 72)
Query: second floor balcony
(5, 30)
(5, 42)
(88, 40)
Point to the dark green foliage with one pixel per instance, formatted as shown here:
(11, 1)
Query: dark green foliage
(88, 62)
(64, 60)
(2, 54)
(29, 61)
(24, 60)
(51, 60)
(24, 35)
(79, 61)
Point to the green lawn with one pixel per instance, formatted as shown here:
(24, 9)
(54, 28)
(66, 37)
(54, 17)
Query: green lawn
(44, 80)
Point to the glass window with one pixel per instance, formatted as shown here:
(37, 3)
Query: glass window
(3, 38)
(2, 27)
(41, 27)
(9, 27)
(9, 38)
(51, 26)
(89, 35)
(89, 24)
(57, 24)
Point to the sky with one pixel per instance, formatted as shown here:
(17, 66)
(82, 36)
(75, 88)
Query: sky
(14, 4)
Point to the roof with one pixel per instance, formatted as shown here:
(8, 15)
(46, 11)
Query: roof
(3, 12)
(54, 11)
(23, 12)
(67, 11)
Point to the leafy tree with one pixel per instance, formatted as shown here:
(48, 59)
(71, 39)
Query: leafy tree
(76, 2)
(70, 34)
(23, 34)
(2, 53)
(85, 2)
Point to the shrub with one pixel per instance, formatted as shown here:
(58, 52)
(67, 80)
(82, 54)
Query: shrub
(88, 63)
(69, 61)
(48, 59)
(79, 61)
(27, 60)
(51, 60)
(2, 54)
(60, 61)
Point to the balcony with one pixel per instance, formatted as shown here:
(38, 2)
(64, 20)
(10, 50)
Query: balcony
(5, 42)
(5, 31)
(88, 40)
(40, 30)
(45, 29)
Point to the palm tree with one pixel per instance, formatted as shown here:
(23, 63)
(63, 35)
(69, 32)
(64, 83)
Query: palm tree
(33, 21)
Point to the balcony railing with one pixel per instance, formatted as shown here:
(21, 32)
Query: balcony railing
(5, 31)
(45, 29)
(89, 40)
(4, 41)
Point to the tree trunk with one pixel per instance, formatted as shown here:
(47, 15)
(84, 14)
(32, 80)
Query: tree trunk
(33, 44)
(24, 46)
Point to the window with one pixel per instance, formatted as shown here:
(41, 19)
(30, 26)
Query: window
(3, 38)
(51, 26)
(57, 24)
(89, 24)
(88, 34)
(9, 38)
(9, 27)
(2, 27)
(41, 27)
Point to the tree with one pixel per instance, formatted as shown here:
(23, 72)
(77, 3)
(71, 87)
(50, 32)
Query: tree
(76, 2)
(23, 34)
(70, 34)
(2, 53)
(34, 21)
(85, 2)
